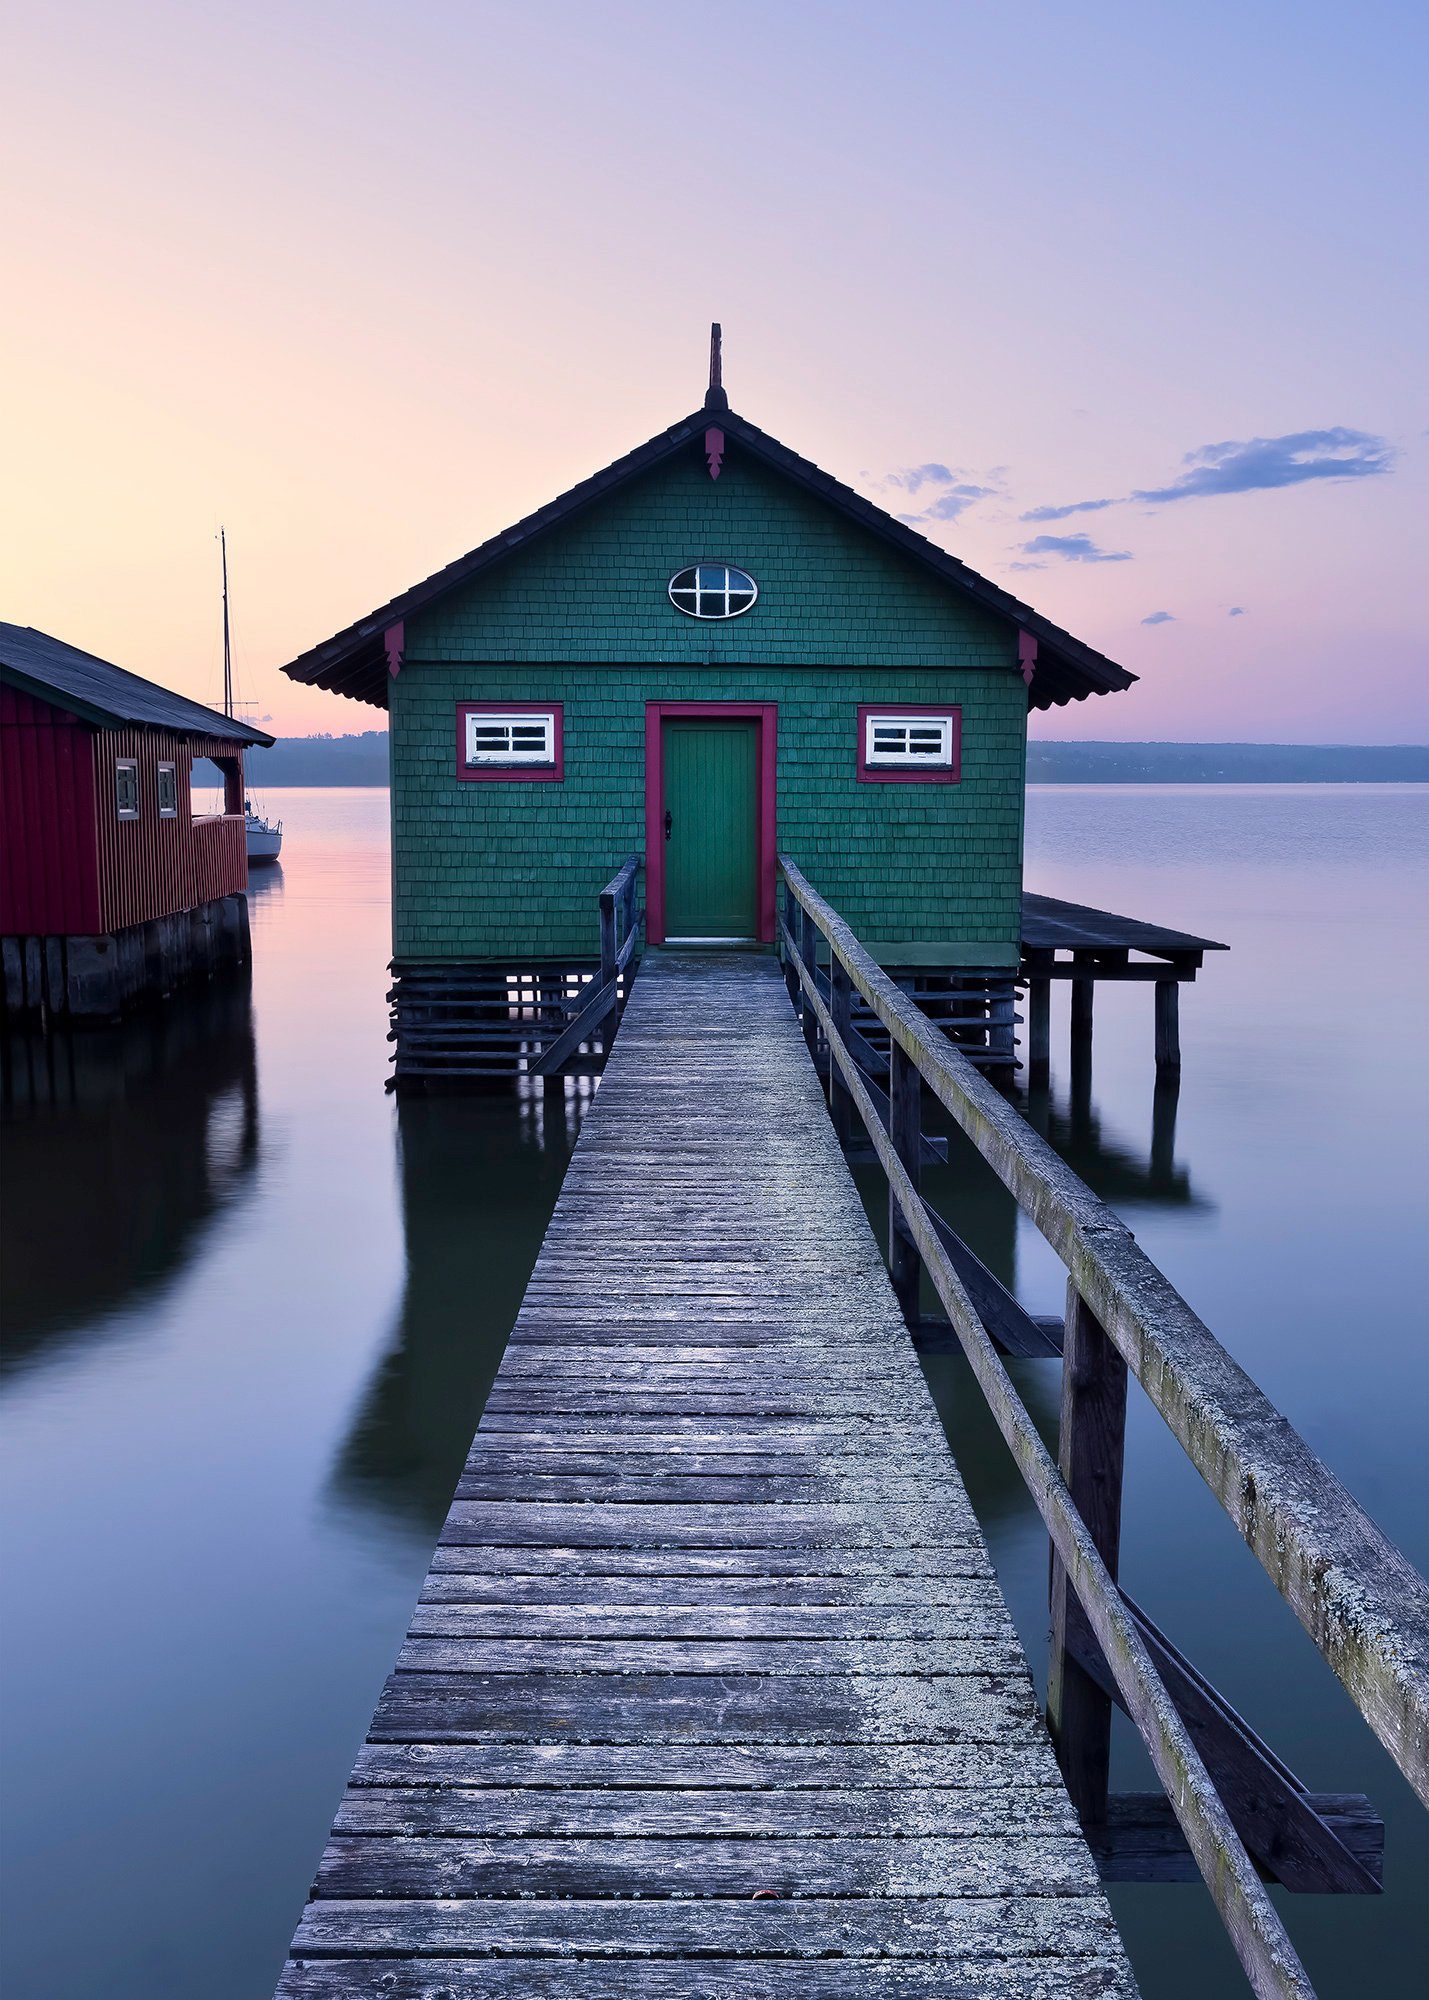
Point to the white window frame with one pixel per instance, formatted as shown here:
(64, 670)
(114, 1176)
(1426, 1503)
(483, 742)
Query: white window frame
(902, 757)
(121, 811)
(723, 591)
(167, 811)
(507, 722)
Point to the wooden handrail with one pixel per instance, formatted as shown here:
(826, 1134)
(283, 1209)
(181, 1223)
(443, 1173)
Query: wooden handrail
(1364, 1605)
(619, 931)
(624, 876)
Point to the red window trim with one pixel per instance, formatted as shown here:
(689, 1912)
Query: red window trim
(888, 774)
(766, 714)
(511, 774)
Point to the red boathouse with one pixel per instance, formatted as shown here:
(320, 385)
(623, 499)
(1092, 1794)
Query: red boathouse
(113, 888)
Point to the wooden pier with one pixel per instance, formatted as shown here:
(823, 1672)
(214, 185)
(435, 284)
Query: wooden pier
(711, 1693)
(1098, 944)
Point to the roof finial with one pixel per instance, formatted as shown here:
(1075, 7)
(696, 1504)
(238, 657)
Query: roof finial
(715, 398)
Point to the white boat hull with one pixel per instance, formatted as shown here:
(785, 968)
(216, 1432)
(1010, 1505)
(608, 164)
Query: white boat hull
(264, 843)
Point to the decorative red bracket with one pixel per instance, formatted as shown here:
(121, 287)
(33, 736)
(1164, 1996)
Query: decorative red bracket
(714, 449)
(394, 639)
(1027, 655)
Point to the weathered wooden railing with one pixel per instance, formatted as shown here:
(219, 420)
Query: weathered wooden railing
(1364, 1606)
(619, 933)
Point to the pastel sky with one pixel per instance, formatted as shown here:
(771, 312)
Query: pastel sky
(1123, 305)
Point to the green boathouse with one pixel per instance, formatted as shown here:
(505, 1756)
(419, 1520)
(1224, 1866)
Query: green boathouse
(709, 652)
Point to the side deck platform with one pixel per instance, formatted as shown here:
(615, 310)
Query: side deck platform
(711, 1693)
(1050, 925)
(1099, 946)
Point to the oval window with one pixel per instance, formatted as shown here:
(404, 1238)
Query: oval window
(712, 590)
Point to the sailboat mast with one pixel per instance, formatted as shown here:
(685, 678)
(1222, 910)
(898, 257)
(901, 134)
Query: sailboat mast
(227, 645)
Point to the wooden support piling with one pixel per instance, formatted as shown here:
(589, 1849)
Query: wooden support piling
(1168, 1025)
(1039, 1030)
(1083, 993)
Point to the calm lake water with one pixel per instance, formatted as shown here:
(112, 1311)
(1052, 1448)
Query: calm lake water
(252, 1309)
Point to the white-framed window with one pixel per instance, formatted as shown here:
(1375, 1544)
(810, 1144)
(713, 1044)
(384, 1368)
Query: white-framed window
(126, 787)
(509, 738)
(712, 590)
(908, 742)
(168, 791)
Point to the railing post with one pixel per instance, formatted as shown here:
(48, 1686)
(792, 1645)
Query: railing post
(841, 1008)
(905, 1098)
(1089, 1456)
(791, 924)
(608, 940)
(809, 957)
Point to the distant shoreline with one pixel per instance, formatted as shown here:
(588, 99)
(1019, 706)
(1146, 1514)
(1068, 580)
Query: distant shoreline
(362, 760)
(1226, 763)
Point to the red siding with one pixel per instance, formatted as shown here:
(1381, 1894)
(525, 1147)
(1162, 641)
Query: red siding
(68, 864)
(49, 871)
(149, 867)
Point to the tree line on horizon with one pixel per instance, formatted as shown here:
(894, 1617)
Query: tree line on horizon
(362, 760)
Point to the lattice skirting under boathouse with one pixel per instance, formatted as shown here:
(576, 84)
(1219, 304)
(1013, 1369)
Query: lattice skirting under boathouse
(976, 1008)
(464, 1023)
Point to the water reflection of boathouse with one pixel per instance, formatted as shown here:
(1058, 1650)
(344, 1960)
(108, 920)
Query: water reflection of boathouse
(479, 1178)
(152, 1129)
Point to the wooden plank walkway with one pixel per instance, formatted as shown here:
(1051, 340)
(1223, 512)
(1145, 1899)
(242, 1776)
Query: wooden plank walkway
(711, 1693)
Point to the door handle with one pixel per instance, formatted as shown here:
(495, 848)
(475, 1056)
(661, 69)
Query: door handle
(669, 825)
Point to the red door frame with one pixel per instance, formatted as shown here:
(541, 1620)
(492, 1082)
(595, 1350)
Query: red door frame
(766, 714)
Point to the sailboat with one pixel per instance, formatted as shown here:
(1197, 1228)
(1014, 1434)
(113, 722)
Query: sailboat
(264, 836)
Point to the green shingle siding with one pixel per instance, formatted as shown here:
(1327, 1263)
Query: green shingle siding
(486, 870)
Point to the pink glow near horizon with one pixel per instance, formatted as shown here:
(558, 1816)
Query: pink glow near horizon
(367, 285)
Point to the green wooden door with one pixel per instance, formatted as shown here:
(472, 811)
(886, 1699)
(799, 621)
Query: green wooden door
(711, 807)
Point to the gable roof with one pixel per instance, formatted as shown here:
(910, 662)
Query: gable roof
(353, 662)
(106, 695)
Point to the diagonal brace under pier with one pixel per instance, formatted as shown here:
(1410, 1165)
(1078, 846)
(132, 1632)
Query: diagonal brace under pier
(711, 1691)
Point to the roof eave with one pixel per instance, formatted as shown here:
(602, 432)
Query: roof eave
(96, 717)
(353, 661)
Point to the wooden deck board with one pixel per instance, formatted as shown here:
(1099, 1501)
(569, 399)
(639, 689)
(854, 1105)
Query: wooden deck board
(711, 1690)
(1049, 924)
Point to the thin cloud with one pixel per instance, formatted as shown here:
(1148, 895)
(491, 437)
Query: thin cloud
(1160, 618)
(1254, 465)
(950, 492)
(1072, 548)
(1236, 611)
(913, 478)
(1073, 507)
(949, 505)
(1260, 464)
